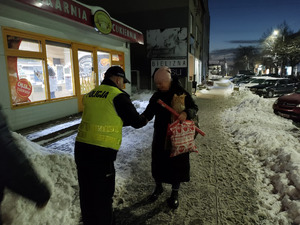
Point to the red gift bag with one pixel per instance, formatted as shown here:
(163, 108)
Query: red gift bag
(182, 137)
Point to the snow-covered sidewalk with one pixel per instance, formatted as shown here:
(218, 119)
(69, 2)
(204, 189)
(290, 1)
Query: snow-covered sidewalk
(246, 172)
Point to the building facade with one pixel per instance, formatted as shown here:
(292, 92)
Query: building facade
(52, 53)
(176, 35)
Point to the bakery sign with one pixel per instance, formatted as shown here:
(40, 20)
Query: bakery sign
(66, 8)
(81, 13)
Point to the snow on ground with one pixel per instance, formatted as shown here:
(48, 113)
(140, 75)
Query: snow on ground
(221, 86)
(59, 171)
(270, 143)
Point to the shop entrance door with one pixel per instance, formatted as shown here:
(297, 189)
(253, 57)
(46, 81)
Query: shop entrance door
(87, 76)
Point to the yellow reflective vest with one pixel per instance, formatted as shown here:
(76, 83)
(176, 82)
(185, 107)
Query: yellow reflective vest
(100, 124)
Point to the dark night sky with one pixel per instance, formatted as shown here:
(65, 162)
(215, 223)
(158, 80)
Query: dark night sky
(237, 23)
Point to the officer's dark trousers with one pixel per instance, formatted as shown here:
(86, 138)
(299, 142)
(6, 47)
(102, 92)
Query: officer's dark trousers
(96, 179)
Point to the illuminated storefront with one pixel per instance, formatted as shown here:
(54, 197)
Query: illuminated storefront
(54, 52)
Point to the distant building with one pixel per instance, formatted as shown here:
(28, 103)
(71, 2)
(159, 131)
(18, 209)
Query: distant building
(215, 69)
(176, 35)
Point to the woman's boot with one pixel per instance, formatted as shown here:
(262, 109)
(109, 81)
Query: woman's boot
(173, 200)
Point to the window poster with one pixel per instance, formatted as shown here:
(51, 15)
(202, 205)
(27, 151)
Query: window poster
(20, 89)
(167, 43)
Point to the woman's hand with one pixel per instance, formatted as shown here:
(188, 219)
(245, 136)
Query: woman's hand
(182, 117)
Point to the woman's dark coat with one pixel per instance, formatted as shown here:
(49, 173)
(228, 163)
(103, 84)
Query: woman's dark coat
(168, 169)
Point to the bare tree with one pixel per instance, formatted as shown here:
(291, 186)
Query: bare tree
(280, 48)
(292, 50)
(245, 58)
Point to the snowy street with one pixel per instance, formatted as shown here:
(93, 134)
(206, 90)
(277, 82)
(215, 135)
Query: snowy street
(221, 190)
(247, 171)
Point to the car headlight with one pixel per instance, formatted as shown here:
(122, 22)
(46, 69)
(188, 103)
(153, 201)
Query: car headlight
(298, 106)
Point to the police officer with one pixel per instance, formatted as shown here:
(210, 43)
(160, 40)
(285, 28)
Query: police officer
(107, 108)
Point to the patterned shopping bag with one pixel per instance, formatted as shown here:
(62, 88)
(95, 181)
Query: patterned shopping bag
(182, 137)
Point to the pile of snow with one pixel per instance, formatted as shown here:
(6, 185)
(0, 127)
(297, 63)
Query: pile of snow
(271, 144)
(220, 87)
(58, 170)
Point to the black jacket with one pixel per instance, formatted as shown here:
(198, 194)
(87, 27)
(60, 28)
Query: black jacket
(16, 171)
(125, 109)
(164, 168)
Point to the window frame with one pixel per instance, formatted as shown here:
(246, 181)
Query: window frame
(42, 55)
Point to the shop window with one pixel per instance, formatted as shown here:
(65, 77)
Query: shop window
(40, 70)
(103, 64)
(26, 74)
(26, 79)
(24, 44)
(28, 70)
(118, 60)
(86, 72)
(60, 70)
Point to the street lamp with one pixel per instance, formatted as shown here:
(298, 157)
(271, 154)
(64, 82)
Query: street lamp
(275, 33)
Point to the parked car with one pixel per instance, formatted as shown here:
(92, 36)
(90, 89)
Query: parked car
(246, 72)
(288, 106)
(254, 81)
(236, 77)
(267, 82)
(272, 75)
(240, 77)
(243, 80)
(275, 87)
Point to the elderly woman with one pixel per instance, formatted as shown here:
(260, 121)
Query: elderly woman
(166, 169)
